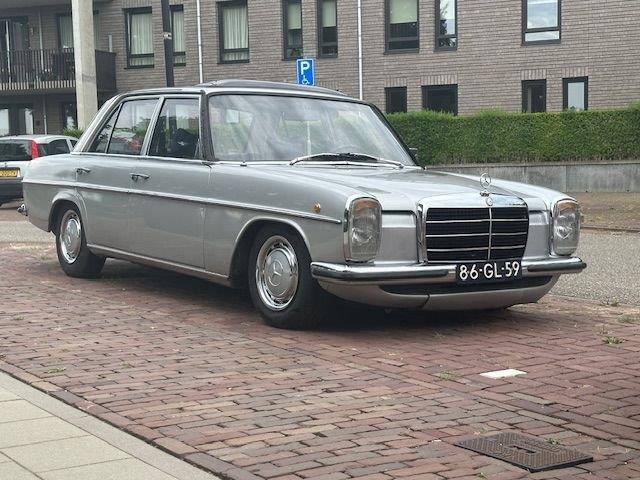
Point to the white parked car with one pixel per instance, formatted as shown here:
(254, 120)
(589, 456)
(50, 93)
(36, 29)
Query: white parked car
(16, 152)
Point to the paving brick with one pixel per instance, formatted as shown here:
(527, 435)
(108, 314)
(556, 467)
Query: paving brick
(191, 367)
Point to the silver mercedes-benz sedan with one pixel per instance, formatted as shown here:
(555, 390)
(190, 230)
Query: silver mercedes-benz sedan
(298, 193)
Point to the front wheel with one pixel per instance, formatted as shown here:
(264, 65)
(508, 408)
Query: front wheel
(73, 254)
(280, 281)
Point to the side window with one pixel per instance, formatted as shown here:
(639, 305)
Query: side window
(177, 132)
(101, 141)
(131, 127)
(57, 147)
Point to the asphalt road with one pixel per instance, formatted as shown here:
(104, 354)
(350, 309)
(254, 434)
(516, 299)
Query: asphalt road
(613, 274)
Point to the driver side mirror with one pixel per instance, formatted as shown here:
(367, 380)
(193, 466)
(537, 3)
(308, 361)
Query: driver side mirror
(414, 153)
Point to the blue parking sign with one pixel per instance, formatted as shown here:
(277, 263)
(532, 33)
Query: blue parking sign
(306, 71)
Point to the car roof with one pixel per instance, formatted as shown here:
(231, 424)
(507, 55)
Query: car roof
(37, 138)
(250, 86)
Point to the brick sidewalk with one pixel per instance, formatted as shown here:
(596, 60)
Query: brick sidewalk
(190, 367)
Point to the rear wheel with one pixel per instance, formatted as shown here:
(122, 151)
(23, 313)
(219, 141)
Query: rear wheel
(73, 254)
(280, 281)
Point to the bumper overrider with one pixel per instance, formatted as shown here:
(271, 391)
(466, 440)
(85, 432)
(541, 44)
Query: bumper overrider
(434, 287)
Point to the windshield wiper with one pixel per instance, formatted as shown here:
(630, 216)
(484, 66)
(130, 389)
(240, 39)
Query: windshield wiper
(345, 156)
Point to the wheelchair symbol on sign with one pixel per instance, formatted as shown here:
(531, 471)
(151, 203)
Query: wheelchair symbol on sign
(305, 70)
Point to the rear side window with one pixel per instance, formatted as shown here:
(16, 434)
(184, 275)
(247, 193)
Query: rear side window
(15, 150)
(177, 132)
(56, 147)
(131, 127)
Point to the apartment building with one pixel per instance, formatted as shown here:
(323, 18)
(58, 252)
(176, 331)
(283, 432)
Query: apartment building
(458, 56)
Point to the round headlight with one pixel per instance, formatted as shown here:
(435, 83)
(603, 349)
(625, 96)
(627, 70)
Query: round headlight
(363, 230)
(566, 227)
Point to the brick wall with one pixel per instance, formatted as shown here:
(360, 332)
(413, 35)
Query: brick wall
(600, 40)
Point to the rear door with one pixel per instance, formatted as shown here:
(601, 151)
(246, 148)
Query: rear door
(169, 185)
(104, 173)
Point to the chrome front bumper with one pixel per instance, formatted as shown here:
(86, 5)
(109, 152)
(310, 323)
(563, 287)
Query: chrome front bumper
(373, 284)
(363, 274)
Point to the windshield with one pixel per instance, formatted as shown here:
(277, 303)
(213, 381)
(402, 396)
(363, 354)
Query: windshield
(251, 128)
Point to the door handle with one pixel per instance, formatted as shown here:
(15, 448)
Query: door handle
(82, 170)
(137, 176)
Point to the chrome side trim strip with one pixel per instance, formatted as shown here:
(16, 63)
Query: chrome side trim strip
(192, 199)
(155, 262)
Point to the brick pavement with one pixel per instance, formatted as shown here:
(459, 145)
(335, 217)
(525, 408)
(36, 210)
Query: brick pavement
(189, 366)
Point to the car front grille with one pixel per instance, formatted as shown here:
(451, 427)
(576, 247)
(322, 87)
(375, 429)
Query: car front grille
(456, 235)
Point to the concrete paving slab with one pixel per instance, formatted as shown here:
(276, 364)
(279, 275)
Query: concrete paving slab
(7, 395)
(16, 410)
(129, 469)
(31, 395)
(27, 432)
(13, 471)
(141, 450)
(70, 452)
(81, 423)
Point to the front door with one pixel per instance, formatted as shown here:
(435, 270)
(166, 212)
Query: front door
(104, 174)
(169, 183)
(16, 119)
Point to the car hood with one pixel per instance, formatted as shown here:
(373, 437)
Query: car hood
(402, 189)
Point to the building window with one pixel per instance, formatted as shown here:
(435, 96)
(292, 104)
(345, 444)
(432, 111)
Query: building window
(541, 21)
(534, 96)
(575, 93)
(396, 99)
(327, 28)
(139, 23)
(402, 25)
(69, 115)
(16, 120)
(177, 34)
(440, 98)
(65, 30)
(234, 31)
(292, 21)
(446, 24)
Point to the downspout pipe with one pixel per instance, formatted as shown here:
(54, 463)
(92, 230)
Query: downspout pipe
(199, 27)
(360, 75)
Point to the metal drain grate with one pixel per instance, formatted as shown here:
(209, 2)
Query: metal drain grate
(525, 452)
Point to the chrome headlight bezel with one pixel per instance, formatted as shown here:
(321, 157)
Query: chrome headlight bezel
(363, 217)
(565, 227)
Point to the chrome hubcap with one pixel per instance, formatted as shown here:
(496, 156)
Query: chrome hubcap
(277, 273)
(70, 236)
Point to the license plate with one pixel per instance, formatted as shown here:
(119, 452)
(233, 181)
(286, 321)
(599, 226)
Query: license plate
(9, 173)
(488, 272)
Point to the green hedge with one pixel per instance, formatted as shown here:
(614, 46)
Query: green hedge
(496, 136)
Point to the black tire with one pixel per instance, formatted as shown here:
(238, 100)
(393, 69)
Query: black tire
(308, 306)
(85, 264)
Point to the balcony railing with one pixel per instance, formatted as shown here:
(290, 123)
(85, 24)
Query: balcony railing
(51, 70)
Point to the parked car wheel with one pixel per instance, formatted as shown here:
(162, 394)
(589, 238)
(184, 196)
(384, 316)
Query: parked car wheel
(73, 254)
(280, 281)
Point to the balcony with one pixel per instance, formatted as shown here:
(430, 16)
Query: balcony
(51, 71)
